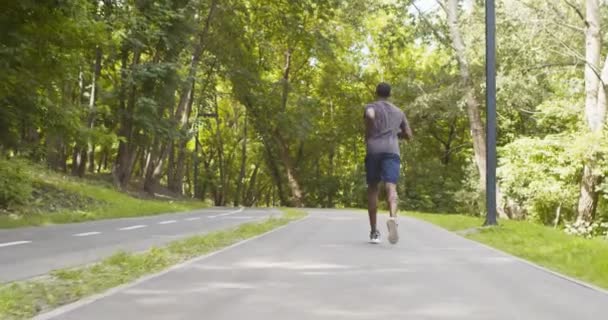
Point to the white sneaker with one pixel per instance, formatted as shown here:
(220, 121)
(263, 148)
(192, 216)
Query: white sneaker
(374, 237)
(393, 234)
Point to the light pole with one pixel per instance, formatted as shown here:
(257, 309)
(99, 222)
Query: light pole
(490, 113)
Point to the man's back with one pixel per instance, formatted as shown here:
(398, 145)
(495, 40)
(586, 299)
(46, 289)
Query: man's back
(382, 136)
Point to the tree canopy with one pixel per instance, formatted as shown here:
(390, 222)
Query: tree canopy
(260, 103)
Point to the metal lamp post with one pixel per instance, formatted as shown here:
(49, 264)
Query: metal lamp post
(490, 113)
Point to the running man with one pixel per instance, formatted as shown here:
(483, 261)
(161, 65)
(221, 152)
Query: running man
(385, 126)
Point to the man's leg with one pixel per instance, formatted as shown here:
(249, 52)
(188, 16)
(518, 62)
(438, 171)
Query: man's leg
(391, 165)
(392, 198)
(372, 167)
(372, 205)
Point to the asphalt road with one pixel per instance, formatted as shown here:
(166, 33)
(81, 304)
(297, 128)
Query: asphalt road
(323, 268)
(29, 252)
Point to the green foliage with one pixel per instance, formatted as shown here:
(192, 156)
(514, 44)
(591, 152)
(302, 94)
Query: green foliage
(40, 64)
(588, 229)
(15, 183)
(541, 175)
(62, 199)
(296, 74)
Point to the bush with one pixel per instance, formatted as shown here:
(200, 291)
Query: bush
(430, 184)
(588, 229)
(542, 175)
(15, 183)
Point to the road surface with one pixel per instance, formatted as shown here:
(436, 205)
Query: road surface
(29, 252)
(323, 268)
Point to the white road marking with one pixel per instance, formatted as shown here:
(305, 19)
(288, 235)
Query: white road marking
(86, 234)
(193, 219)
(241, 217)
(227, 213)
(167, 222)
(133, 227)
(15, 243)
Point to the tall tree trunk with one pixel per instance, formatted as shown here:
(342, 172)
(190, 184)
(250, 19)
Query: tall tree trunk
(330, 195)
(249, 194)
(91, 158)
(176, 181)
(126, 148)
(188, 87)
(473, 106)
(171, 168)
(154, 166)
(274, 170)
(181, 114)
(595, 109)
(332, 156)
(292, 180)
(78, 161)
(239, 188)
(592, 66)
(54, 153)
(162, 142)
(86, 153)
(188, 181)
(102, 160)
(205, 184)
(106, 157)
(285, 80)
(588, 199)
(90, 152)
(220, 154)
(195, 164)
(177, 178)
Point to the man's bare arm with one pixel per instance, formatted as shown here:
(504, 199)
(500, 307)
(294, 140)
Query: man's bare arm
(406, 130)
(370, 115)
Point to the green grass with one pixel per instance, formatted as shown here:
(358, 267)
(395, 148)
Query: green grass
(22, 300)
(452, 222)
(584, 259)
(103, 202)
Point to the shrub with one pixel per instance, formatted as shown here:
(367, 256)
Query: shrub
(588, 229)
(542, 176)
(15, 183)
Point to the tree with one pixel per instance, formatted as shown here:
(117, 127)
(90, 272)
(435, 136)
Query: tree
(595, 109)
(473, 108)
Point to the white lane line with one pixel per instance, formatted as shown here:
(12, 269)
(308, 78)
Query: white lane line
(133, 227)
(14, 243)
(241, 217)
(167, 222)
(193, 219)
(228, 213)
(86, 234)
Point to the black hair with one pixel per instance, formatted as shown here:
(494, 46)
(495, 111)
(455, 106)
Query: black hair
(383, 90)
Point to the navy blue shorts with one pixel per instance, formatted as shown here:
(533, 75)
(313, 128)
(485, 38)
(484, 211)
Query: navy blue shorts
(382, 167)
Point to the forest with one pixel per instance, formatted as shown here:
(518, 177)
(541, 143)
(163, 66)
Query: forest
(260, 102)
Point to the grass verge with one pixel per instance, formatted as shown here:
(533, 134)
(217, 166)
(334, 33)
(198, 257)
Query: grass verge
(584, 259)
(64, 199)
(25, 299)
(451, 222)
